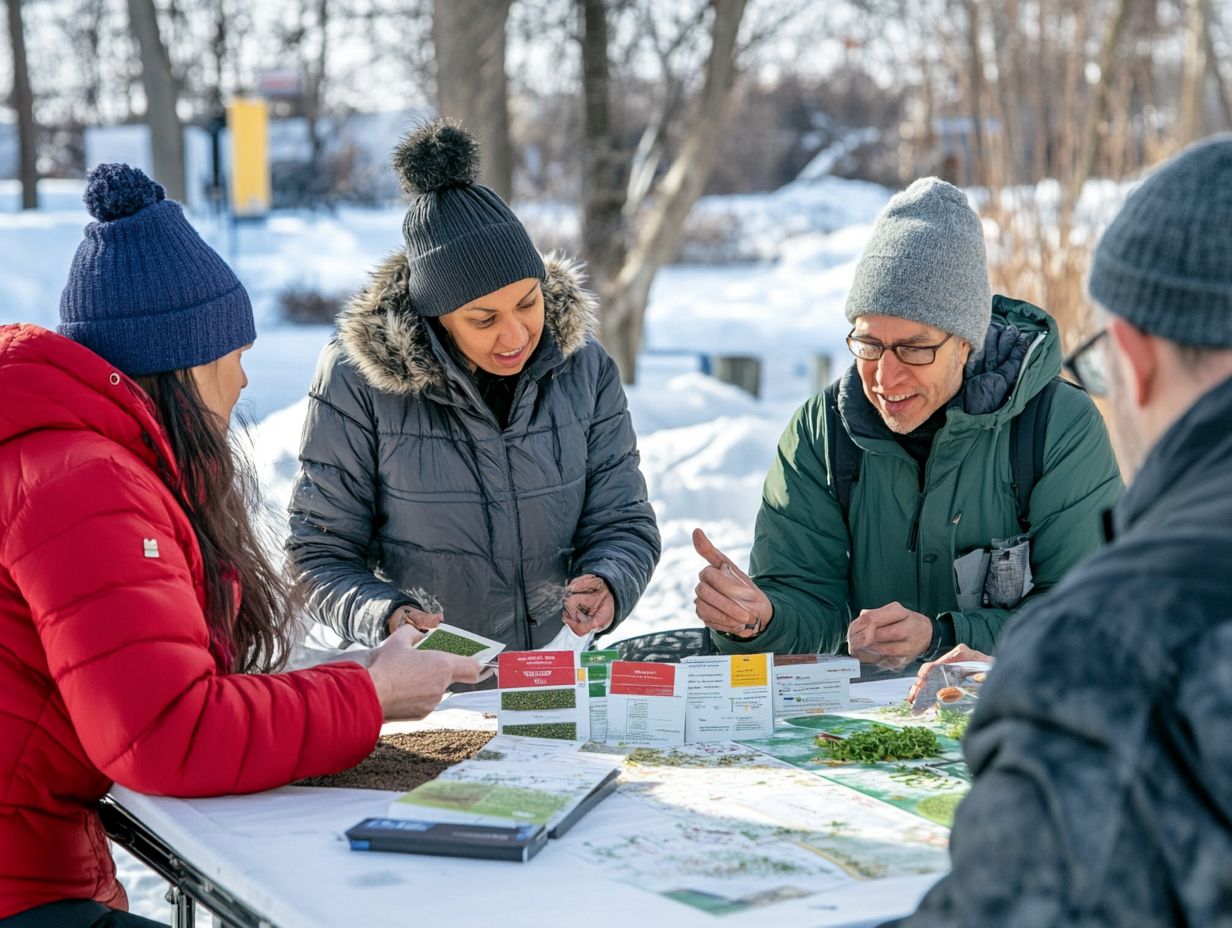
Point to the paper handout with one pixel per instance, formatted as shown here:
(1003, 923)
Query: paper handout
(730, 696)
(806, 684)
(646, 703)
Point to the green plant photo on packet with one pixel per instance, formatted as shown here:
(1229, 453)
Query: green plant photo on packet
(437, 640)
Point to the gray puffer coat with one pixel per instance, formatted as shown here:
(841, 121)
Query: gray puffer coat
(408, 483)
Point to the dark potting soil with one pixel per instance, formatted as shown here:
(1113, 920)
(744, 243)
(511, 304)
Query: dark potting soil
(402, 762)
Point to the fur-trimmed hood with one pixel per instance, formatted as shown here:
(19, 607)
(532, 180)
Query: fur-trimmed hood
(390, 344)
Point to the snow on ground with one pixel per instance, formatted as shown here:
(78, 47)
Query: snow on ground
(705, 446)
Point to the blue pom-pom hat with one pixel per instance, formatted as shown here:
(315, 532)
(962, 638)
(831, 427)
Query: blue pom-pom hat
(145, 291)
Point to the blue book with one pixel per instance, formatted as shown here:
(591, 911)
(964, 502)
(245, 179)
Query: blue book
(447, 839)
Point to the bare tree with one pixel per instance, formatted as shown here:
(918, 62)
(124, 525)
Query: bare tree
(471, 84)
(161, 94)
(1096, 124)
(604, 240)
(1191, 120)
(622, 273)
(975, 72)
(23, 102)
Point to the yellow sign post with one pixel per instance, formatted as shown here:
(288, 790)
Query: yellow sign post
(248, 122)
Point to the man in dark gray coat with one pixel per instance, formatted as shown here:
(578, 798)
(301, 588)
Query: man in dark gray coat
(1102, 745)
(467, 441)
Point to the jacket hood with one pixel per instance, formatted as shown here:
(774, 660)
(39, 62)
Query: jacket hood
(391, 345)
(1021, 354)
(52, 382)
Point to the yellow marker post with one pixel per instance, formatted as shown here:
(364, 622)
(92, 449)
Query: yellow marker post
(248, 122)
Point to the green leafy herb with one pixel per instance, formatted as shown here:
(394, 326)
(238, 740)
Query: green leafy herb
(953, 722)
(883, 744)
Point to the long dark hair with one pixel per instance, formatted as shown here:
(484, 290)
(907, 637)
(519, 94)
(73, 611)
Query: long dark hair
(218, 490)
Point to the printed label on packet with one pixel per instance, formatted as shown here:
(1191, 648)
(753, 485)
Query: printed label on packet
(519, 669)
(641, 678)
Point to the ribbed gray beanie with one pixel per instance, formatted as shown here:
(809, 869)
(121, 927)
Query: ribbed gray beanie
(1165, 262)
(926, 262)
(462, 241)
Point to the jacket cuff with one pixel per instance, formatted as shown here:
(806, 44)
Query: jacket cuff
(944, 637)
(371, 625)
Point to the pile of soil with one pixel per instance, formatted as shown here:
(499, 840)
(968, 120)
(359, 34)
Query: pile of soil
(402, 762)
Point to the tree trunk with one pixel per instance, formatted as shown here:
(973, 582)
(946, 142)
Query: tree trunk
(975, 71)
(314, 103)
(471, 86)
(166, 132)
(659, 236)
(1192, 118)
(1097, 111)
(604, 240)
(23, 101)
(1221, 86)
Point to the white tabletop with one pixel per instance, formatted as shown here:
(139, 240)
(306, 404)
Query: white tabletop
(283, 852)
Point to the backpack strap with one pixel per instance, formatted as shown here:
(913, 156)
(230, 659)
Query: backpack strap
(1028, 430)
(843, 455)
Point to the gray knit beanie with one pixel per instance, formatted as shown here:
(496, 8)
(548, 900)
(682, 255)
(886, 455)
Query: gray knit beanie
(462, 241)
(925, 261)
(1165, 262)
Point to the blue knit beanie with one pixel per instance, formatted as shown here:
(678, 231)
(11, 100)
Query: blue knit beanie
(1165, 262)
(145, 291)
(462, 241)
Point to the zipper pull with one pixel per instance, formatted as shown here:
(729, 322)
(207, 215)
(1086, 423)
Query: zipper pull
(913, 537)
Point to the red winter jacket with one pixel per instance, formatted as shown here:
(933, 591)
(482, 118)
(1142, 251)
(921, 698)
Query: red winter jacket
(105, 668)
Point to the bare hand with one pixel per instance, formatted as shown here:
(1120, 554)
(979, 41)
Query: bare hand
(727, 600)
(417, 618)
(960, 653)
(891, 636)
(410, 683)
(589, 605)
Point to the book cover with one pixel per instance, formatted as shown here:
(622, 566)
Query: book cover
(447, 839)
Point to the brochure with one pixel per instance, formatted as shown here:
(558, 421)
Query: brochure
(543, 694)
(810, 684)
(730, 697)
(446, 637)
(514, 780)
(597, 665)
(646, 703)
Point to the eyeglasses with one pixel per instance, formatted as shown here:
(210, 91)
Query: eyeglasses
(1087, 366)
(916, 355)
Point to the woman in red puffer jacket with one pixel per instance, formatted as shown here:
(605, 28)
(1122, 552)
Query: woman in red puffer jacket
(140, 622)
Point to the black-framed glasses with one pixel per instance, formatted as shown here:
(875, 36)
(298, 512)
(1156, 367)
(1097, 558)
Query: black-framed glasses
(1086, 365)
(916, 355)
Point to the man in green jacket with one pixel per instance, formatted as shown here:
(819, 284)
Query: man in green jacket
(924, 542)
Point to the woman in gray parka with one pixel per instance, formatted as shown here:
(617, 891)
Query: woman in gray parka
(467, 438)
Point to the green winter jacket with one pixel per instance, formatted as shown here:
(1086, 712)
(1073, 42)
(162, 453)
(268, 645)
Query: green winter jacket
(901, 544)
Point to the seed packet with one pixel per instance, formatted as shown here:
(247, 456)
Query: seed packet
(454, 640)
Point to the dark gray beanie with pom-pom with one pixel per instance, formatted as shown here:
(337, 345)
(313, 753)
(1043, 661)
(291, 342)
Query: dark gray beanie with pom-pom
(145, 291)
(462, 240)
